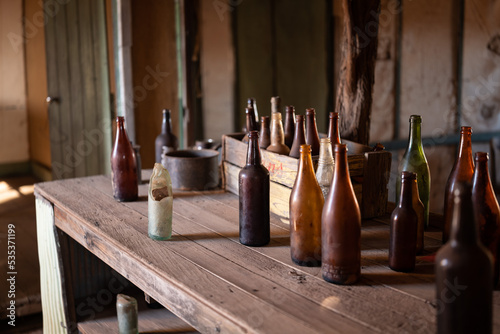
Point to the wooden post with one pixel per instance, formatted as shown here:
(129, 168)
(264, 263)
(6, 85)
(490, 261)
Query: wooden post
(359, 49)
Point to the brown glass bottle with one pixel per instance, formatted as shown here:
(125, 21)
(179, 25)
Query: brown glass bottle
(265, 132)
(404, 226)
(341, 226)
(166, 137)
(486, 211)
(419, 208)
(464, 284)
(289, 125)
(462, 171)
(251, 125)
(123, 165)
(312, 136)
(254, 197)
(277, 136)
(306, 203)
(299, 136)
(333, 129)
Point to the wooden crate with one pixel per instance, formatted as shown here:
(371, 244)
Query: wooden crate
(369, 172)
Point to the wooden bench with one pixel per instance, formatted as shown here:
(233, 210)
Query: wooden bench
(206, 277)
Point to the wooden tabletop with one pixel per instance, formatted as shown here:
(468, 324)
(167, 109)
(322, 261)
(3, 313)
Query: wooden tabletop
(206, 277)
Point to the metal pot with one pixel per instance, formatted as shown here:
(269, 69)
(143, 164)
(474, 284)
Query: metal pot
(192, 169)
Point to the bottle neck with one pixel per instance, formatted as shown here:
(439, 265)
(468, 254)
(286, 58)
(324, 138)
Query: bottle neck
(406, 196)
(311, 124)
(415, 139)
(251, 122)
(463, 227)
(299, 130)
(305, 164)
(333, 131)
(341, 166)
(325, 153)
(465, 150)
(253, 152)
(166, 126)
(277, 134)
(482, 174)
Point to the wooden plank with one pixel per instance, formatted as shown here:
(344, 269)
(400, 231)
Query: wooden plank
(55, 320)
(221, 221)
(76, 112)
(374, 186)
(110, 216)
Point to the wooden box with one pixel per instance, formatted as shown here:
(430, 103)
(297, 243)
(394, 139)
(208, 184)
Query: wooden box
(369, 172)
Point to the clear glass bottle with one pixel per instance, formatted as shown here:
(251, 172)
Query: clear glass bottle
(486, 211)
(306, 203)
(462, 171)
(312, 136)
(123, 165)
(277, 136)
(254, 197)
(404, 227)
(166, 137)
(464, 271)
(289, 125)
(414, 160)
(341, 226)
(324, 173)
(299, 136)
(160, 204)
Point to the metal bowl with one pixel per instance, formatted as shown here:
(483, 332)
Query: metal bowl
(193, 169)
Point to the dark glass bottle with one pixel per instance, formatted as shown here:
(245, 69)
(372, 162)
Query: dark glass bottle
(250, 121)
(312, 136)
(299, 136)
(486, 211)
(166, 137)
(277, 136)
(254, 197)
(462, 171)
(253, 103)
(138, 162)
(265, 132)
(404, 226)
(289, 125)
(464, 284)
(306, 203)
(123, 166)
(333, 129)
(341, 226)
(414, 160)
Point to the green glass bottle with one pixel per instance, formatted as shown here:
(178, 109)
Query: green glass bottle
(414, 160)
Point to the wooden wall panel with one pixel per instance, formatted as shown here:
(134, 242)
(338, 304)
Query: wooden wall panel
(154, 71)
(254, 50)
(36, 89)
(301, 55)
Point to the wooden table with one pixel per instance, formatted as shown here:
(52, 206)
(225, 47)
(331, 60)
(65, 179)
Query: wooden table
(206, 277)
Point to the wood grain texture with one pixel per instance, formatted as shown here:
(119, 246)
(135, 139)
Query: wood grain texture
(376, 176)
(55, 318)
(357, 69)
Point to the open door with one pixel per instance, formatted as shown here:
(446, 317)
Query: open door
(78, 88)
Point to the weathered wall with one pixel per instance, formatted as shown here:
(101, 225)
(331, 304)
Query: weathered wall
(13, 115)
